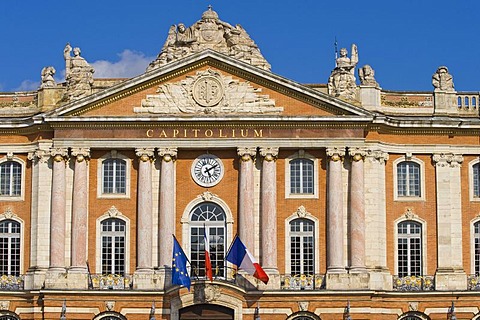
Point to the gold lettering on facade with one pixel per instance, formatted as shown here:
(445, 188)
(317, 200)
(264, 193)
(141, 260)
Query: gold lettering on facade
(196, 132)
(233, 133)
(149, 133)
(258, 133)
(208, 133)
(244, 133)
(175, 133)
(220, 134)
(163, 134)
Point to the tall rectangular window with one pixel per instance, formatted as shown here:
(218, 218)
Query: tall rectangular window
(409, 251)
(113, 246)
(10, 248)
(301, 176)
(114, 176)
(476, 180)
(302, 248)
(477, 247)
(408, 179)
(10, 179)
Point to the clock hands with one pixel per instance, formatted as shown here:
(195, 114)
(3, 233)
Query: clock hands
(207, 170)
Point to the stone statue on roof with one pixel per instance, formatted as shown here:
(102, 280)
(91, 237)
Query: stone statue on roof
(341, 82)
(78, 74)
(367, 76)
(47, 77)
(442, 80)
(209, 33)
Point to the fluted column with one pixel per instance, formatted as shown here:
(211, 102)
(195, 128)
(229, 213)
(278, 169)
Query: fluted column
(144, 210)
(269, 209)
(246, 196)
(166, 219)
(80, 210)
(335, 230)
(58, 205)
(357, 211)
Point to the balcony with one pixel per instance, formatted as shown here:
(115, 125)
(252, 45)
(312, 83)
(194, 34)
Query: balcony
(414, 283)
(12, 283)
(302, 282)
(110, 282)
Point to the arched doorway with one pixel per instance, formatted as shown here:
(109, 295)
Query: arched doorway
(206, 312)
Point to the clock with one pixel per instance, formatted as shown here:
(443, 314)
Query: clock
(207, 170)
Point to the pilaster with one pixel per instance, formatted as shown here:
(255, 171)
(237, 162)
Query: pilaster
(246, 195)
(450, 274)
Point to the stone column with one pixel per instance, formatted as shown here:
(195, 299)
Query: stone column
(57, 218)
(246, 197)
(80, 210)
(144, 211)
(335, 230)
(40, 216)
(450, 274)
(376, 220)
(269, 214)
(166, 219)
(357, 211)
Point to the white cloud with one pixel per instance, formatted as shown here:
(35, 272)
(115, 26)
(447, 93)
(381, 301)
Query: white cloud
(28, 85)
(131, 64)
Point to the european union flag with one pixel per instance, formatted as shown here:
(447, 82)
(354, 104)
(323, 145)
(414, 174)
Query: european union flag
(179, 266)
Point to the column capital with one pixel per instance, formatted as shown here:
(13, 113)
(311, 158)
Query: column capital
(357, 153)
(40, 155)
(269, 153)
(59, 154)
(447, 159)
(145, 154)
(168, 153)
(377, 155)
(336, 153)
(81, 154)
(247, 153)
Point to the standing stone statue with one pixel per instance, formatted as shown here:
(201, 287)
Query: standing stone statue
(47, 77)
(341, 82)
(442, 80)
(78, 74)
(367, 76)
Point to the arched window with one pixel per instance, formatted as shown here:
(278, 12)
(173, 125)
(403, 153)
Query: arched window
(113, 246)
(210, 216)
(302, 247)
(414, 315)
(476, 235)
(301, 176)
(303, 315)
(9, 316)
(467, 102)
(459, 100)
(10, 179)
(474, 102)
(476, 180)
(408, 179)
(114, 176)
(10, 247)
(409, 249)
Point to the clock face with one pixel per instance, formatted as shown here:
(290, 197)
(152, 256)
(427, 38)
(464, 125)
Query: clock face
(207, 170)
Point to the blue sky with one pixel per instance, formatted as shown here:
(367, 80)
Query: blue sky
(404, 41)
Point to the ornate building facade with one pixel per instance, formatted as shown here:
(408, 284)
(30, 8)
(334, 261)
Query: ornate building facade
(359, 203)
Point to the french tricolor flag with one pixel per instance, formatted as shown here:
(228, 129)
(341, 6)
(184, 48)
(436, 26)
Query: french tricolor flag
(208, 263)
(243, 259)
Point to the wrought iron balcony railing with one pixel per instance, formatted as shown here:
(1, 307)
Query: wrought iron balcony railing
(110, 282)
(414, 283)
(302, 282)
(9, 282)
(473, 282)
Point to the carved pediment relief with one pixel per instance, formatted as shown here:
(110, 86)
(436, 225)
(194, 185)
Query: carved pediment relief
(208, 92)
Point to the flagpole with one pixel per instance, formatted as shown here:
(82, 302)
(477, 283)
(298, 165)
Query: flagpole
(186, 257)
(231, 244)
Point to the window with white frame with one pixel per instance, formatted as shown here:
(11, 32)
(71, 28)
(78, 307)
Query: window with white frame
(113, 246)
(302, 247)
(114, 176)
(301, 176)
(210, 216)
(476, 180)
(409, 179)
(409, 250)
(476, 243)
(10, 247)
(10, 179)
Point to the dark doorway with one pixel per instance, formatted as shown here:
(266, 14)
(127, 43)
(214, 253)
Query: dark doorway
(206, 312)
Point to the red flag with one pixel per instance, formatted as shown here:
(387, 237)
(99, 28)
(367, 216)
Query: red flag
(208, 263)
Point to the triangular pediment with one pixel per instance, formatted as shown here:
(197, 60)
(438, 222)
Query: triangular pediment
(208, 84)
